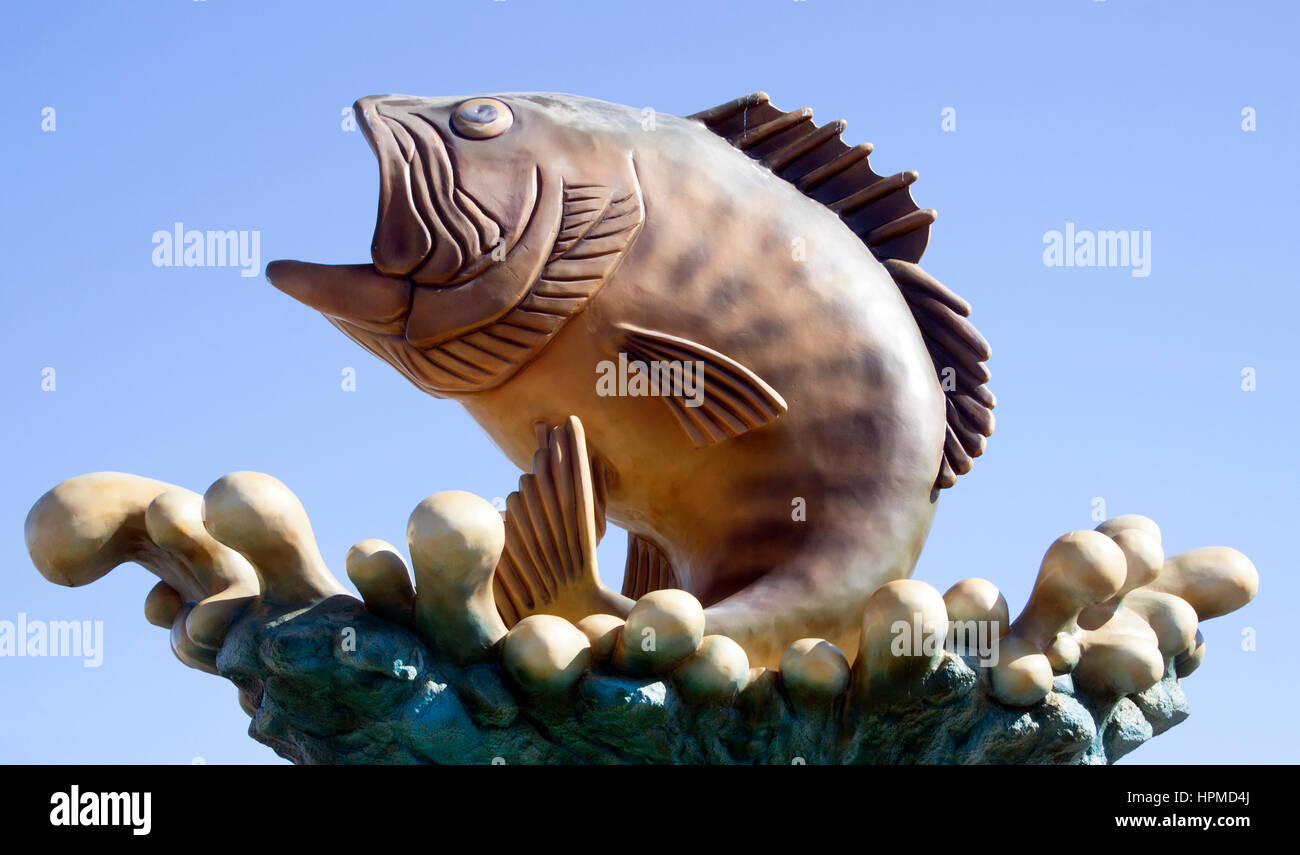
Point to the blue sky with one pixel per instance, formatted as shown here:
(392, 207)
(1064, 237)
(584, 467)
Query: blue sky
(226, 115)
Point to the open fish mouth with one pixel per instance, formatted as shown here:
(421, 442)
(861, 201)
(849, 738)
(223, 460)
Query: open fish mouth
(430, 236)
(427, 228)
(450, 277)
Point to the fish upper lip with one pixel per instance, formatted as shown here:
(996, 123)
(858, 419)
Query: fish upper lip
(403, 239)
(373, 126)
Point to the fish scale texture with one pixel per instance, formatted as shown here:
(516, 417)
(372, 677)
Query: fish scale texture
(335, 684)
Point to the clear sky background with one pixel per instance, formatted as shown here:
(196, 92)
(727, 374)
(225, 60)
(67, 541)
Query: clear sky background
(226, 115)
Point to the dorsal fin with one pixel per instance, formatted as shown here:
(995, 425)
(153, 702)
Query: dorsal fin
(880, 211)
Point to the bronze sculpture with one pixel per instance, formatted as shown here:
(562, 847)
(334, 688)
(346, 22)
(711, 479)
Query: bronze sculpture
(524, 240)
(714, 332)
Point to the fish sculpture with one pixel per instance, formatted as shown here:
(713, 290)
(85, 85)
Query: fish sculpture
(723, 313)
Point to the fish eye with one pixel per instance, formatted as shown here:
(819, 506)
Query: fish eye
(481, 118)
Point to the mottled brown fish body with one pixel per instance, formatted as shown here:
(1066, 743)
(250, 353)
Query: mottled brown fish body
(830, 332)
(667, 240)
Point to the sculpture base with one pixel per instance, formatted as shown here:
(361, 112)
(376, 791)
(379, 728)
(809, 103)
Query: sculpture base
(323, 686)
(432, 673)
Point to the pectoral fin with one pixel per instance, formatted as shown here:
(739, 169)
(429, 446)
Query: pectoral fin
(717, 398)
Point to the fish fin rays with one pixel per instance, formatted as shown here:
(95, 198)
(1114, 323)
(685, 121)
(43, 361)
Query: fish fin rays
(958, 352)
(596, 227)
(881, 212)
(647, 568)
(712, 396)
(553, 524)
(877, 208)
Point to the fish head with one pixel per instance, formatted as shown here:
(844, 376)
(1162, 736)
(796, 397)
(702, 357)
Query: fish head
(476, 196)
